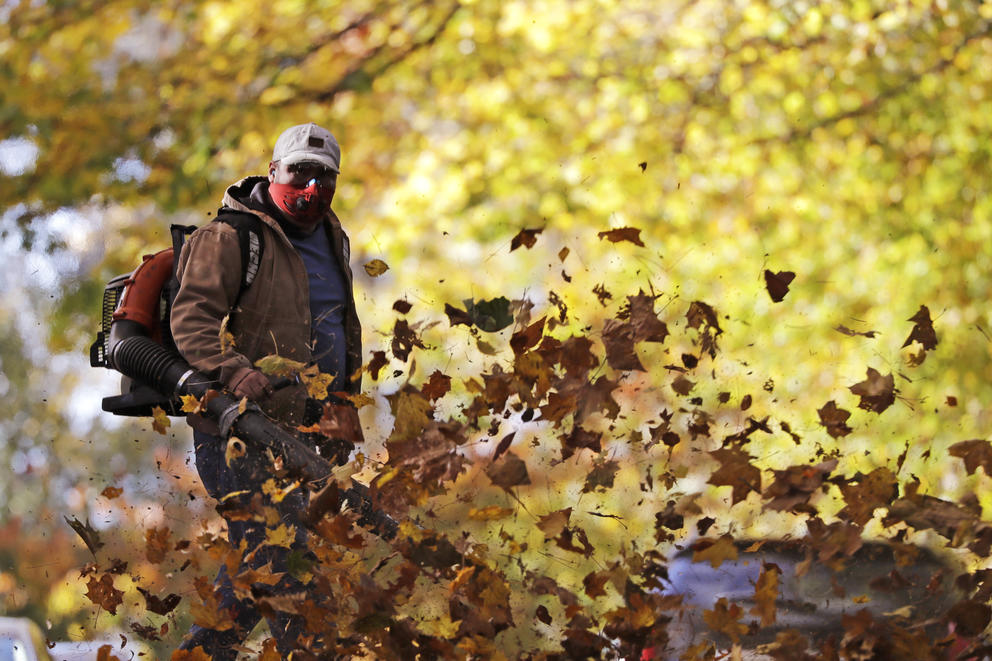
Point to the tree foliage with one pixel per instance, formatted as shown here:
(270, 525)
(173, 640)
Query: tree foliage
(742, 249)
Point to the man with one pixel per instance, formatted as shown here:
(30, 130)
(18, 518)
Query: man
(299, 306)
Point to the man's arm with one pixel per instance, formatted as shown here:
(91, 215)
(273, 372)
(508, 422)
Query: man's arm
(209, 272)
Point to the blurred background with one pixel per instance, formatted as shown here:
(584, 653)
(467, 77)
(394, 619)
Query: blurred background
(847, 142)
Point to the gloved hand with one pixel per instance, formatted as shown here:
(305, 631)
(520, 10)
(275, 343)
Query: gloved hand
(252, 384)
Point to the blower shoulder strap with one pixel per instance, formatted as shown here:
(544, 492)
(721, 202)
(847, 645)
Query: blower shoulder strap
(249, 228)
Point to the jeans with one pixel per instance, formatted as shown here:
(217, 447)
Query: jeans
(248, 473)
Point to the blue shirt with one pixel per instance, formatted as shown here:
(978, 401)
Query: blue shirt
(328, 301)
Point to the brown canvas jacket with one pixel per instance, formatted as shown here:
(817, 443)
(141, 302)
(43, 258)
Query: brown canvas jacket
(272, 315)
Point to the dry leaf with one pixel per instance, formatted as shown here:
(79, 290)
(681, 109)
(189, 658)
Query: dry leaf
(160, 421)
(376, 267)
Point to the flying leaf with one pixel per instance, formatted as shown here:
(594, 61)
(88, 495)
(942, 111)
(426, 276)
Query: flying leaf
(456, 316)
(877, 392)
(225, 335)
(834, 419)
(725, 618)
(402, 306)
(317, 384)
(103, 593)
(631, 234)
(157, 605)
(405, 338)
(437, 386)
(601, 476)
(282, 535)
(279, 366)
(191, 404)
(618, 340)
(765, 594)
(156, 544)
(491, 316)
(714, 551)
(490, 513)
(378, 361)
(376, 267)
(234, 449)
(976, 453)
(503, 445)
(778, 284)
(526, 238)
(160, 420)
(923, 331)
(509, 471)
(737, 472)
(847, 331)
(554, 523)
(646, 325)
(111, 492)
(527, 338)
(86, 533)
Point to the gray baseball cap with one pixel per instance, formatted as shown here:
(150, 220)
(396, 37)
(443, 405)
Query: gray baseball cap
(308, 142)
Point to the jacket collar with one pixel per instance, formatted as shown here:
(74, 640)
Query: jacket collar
(251, 195)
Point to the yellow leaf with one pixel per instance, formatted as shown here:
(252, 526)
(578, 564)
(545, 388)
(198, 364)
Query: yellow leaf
(489, 513)
(318, 384)
(359, 399)
(190, 404)
(283, 535)
(235, 449)
(160, 421)
(277, 494)
(862, 599)
(226, 338)
(274, 364)
(376, 267)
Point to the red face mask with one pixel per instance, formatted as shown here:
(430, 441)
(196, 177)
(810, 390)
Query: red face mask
(306, 205)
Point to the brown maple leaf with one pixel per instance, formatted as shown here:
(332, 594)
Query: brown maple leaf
(156, 544)
(618, 340)
(863, 494)
(103, 593)
(437, 386)
(643, 319)
(631, 234)
(834, 419)
(402, 306)
(736, 472)
(778, 284)
(526, 238)
(877, 392)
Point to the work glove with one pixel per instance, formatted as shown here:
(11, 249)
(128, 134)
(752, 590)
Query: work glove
(252, 384)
